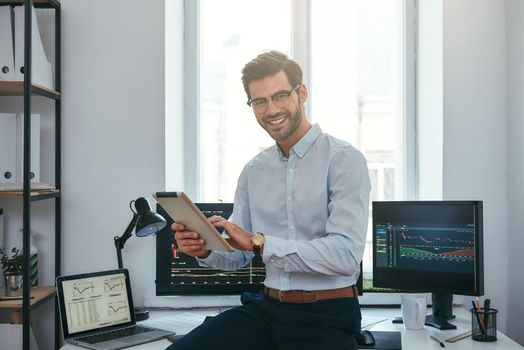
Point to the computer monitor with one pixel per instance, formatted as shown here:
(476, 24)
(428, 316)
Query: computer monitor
(429, 246)
(180, 274)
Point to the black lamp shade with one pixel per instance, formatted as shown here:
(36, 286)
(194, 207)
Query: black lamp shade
(149, 222)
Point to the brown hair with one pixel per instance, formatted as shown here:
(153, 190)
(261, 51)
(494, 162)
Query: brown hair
(270, 63)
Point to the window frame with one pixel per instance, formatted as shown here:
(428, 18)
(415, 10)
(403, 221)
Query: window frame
(192, 98)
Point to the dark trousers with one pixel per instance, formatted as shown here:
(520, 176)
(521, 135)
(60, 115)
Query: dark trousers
(263, 323)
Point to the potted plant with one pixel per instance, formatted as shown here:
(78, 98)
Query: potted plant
(12, 271)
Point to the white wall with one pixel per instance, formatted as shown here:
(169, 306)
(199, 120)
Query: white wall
(475, 127)
(515, 289)
(113, 130)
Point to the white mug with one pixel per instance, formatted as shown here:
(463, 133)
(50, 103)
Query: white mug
(414, 309)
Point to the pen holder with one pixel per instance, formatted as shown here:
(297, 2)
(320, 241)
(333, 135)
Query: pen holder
(484, 328)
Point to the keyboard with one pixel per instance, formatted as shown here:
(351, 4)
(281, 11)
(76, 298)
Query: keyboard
(116, 334)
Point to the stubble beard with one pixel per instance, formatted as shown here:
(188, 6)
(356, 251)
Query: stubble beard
(294, 121)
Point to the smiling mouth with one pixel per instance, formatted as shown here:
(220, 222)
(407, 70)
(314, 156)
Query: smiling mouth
(276, 122)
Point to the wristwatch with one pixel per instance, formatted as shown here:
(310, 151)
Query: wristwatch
(257, 240)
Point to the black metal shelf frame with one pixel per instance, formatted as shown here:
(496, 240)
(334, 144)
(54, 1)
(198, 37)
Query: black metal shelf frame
(27, 197)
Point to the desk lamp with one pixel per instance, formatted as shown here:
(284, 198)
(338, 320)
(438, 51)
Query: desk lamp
(146, 223)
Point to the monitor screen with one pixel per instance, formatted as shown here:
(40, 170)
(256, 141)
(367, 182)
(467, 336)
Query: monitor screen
(180, 274)
(428, 246)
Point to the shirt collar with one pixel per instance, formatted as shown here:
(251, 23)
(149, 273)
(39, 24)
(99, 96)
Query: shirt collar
(304, 144)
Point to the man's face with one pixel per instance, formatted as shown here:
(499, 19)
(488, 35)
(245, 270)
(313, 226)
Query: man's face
(280, 123)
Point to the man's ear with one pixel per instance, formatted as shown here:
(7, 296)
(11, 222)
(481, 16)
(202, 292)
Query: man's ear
(302, 92)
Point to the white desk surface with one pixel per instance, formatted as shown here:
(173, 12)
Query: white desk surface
(181, 321)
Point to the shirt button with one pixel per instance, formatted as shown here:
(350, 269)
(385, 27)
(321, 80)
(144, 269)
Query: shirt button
(288, 198)
(290, 170)
(292, 227)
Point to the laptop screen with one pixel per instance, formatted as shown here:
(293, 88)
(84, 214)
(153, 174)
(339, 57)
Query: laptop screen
(95, 301)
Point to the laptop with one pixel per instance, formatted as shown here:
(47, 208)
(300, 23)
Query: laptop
(96, 310)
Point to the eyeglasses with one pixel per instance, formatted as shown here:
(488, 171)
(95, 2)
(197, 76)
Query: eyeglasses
(279, 99)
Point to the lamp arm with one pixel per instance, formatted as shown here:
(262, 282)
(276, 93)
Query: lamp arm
(120, 241)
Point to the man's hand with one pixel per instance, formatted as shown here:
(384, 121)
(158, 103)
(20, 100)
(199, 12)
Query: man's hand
(238, 238)
(189, 242)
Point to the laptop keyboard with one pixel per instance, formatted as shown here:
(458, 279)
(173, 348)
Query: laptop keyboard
(116, 334)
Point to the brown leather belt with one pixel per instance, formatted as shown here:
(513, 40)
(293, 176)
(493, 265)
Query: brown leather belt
(303, 296)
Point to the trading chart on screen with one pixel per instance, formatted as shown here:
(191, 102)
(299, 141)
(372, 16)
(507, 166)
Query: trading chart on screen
(419, 246)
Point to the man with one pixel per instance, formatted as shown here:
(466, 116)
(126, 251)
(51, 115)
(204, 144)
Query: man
(302, 204)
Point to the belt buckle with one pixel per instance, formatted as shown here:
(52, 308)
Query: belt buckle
(280, 296)
(316, 298)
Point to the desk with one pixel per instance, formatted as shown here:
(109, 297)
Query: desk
(419, 339)
(411, 340)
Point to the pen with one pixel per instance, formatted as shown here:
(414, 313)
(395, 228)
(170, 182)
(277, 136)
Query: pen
(487, 304)
(475, 312)
(481, 315)
(438, 341)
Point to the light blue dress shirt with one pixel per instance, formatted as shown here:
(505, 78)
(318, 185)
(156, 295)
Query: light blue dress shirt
(313, 209)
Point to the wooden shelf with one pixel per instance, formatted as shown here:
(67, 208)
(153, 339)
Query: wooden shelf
(38, 296)
(16, 88)
(13, 308)
(36, 195)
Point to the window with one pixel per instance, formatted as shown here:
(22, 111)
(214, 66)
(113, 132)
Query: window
(356, 60)
(229, 38)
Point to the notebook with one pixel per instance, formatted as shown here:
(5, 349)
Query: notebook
(96, 310)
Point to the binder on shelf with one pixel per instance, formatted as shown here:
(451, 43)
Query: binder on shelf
(7, 60)
(42, 72)
(8, 148)
(35, 148)
(12, 148)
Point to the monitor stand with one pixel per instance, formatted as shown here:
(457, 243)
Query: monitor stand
(442, 312)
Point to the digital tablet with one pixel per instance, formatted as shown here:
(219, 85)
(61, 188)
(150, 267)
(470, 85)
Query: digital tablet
(184, 211)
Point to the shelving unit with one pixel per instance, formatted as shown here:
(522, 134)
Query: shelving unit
(34, 297)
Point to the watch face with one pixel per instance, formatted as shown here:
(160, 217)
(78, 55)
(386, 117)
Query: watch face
(258, 239)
